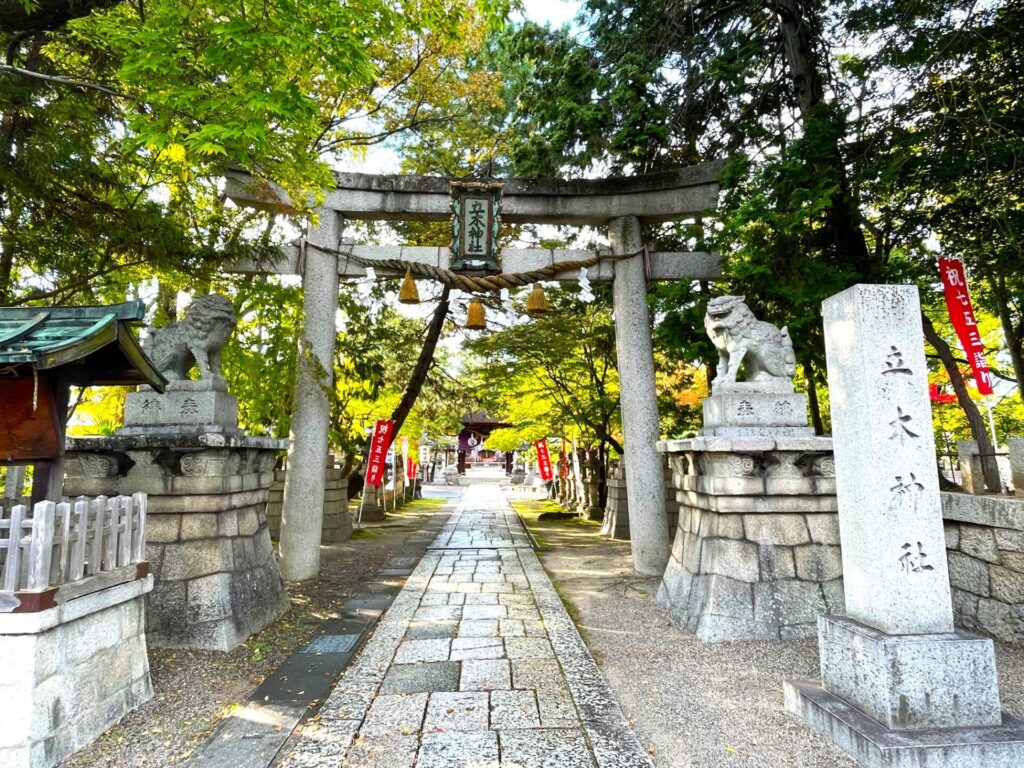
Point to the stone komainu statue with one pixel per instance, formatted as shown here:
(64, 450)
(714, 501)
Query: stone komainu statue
(741, 338)
(196, 339)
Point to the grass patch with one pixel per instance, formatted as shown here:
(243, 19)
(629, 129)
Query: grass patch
(367, 533)
(427, 503)
(552, 526)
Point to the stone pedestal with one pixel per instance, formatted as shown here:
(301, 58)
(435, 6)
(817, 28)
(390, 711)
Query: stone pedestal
(756, 551)
(71, 672)
(615, 523)
(616, 508)
(337, 524)
(1015, 445)
(190, 407)
(895, 673)
(375, 504)
(756, 409)
(207, 540)
(972, 477)
(591, 509)
(915, 682)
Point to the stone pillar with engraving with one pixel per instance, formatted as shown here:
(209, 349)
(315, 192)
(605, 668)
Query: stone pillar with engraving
(207, 541)
(756, 550)
(900, 685)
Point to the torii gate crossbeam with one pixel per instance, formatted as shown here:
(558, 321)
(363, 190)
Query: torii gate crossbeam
(620, 204)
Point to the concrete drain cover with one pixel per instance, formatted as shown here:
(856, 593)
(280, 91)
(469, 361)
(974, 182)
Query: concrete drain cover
(332, 644)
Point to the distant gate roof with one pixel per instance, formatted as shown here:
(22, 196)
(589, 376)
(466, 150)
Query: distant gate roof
(92, 346)
(482, 421)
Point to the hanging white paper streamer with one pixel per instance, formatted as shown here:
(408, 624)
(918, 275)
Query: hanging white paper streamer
(586, 294)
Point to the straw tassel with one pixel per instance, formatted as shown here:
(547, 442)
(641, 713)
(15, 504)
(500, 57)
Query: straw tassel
(475, 320)
(537, 302)
(409, 293)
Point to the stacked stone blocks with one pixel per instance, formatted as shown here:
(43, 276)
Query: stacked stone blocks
(70, 672)
(208, 543)
(756, 553)
(337, 525)
(615, 522)
(985, 544)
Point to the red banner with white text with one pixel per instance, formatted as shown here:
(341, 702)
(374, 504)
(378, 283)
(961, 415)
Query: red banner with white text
(378, 451)
(543, 460)
(961, 312)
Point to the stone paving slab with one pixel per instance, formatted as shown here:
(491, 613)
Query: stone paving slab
(476, 663)
(255, 733)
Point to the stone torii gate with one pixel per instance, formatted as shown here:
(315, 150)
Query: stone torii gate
(621, 205)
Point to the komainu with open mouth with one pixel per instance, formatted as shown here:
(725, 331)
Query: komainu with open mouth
(195, 340)
(765, 351)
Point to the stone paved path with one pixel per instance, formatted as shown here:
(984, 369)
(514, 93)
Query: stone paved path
(476, 663)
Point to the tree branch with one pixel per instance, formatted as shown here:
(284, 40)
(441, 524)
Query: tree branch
(83, 84)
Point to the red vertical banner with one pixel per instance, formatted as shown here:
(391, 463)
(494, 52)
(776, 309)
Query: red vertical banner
(379, 445)
(543, 460)
(961, 313)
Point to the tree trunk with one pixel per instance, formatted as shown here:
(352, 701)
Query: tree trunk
(842, 233)
(1013, 340)
(989, 468)
(166, 304)
(812, 398)
(6, 273)
(795, 24)
(419, 373)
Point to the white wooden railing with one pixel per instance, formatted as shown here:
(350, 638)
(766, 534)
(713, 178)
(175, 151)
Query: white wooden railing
(56, 544)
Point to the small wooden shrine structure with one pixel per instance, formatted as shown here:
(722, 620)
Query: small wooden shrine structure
(43, 352)
(476, 428)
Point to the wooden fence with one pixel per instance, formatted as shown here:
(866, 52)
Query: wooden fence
(61, 543)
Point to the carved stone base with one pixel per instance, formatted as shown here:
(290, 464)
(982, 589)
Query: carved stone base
(198, 407)
(756, 414)
(216, 579)
(875, 746)
(756, 551)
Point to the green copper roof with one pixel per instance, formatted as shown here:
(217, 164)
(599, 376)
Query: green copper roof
(86, 345)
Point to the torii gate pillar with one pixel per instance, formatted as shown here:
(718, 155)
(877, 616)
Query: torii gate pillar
(648, 522)
(303, 505)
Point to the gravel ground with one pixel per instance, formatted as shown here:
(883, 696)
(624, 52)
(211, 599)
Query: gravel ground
(193, 690)
(691, 704)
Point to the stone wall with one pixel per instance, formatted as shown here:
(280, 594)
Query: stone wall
(70, 672)
(985, 546)
(615, 524)
(756, 551)
(337, 524)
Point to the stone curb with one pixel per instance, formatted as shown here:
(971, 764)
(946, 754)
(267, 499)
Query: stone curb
(613, 741)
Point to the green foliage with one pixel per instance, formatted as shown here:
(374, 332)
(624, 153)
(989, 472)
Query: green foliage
(555, 375)
(111, 153)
